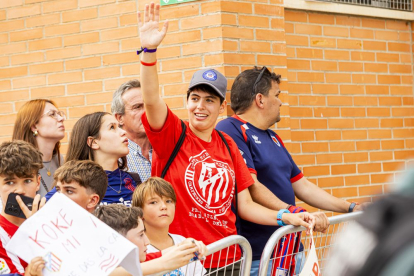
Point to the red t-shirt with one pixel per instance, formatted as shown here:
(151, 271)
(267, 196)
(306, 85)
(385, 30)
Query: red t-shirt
(202, 175)
(9, 263)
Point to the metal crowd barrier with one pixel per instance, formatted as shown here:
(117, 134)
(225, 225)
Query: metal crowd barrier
(220, 249)
(291, 233)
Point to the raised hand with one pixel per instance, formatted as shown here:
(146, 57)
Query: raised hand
(149, 34)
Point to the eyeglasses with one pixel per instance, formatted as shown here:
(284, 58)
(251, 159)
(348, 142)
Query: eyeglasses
(264, 69)
(55, 113)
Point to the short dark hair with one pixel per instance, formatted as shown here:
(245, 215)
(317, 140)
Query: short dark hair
(205, 88)
(151, 186)
(19, 158)
(87, 173)
(243, 93)
(119, 217)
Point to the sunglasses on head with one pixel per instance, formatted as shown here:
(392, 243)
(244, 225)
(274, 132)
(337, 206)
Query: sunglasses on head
(262, 71)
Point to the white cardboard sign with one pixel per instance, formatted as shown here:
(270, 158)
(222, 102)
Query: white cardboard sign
(311, 267)
(73, 242)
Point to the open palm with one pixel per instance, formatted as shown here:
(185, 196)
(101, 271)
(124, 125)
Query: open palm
(149, 34)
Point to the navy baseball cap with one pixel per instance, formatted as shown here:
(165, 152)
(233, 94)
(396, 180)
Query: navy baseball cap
(212, 78)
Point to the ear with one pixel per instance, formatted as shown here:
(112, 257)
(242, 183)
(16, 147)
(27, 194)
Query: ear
(119, 118)
(259, 100)
(38, 182)
(92, 143)
(93, 202)
(33, 128)
(223, 107)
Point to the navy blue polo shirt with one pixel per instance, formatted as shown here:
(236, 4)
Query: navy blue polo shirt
(266, 156)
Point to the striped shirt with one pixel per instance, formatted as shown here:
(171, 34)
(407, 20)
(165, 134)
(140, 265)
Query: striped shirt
(137, 162)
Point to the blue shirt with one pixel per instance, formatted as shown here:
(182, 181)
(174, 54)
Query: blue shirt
(266, 156)
(121, 186)
(137, 162)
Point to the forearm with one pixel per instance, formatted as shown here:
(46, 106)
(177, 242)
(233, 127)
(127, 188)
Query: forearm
(155, 266)
(319, 198)
(256, 213)
(149, 80)
(263, 196)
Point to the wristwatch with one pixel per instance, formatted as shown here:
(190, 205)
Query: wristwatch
(279, 216)
(351, 207)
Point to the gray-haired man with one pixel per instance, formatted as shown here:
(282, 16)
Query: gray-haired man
(127, 107)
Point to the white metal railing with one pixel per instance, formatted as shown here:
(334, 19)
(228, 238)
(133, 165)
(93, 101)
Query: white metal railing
(322, 244)
(402, 5)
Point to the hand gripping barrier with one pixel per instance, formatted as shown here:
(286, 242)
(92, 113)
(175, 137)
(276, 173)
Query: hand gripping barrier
(220, 250)
(281, 236)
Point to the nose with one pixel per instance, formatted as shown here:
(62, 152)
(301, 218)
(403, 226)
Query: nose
(121, 131)
(163, 205)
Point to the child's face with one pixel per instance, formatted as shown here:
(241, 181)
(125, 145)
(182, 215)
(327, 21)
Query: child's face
(27, 186)
(113, 140)
(137, 236)
(158, 211)
(77, 193)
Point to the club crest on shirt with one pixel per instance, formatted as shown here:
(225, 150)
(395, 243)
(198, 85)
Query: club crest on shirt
(256, 139)
(275, 140)
(210, 183)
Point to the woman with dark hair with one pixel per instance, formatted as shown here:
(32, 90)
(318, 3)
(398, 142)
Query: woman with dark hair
(40, 123)
(97, 137)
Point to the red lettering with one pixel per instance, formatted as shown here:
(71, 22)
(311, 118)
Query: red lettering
(54, 237)
(68, 242)
(315, 269)
(93, 222)
(63, 216)
(58, 226)
(37, 241)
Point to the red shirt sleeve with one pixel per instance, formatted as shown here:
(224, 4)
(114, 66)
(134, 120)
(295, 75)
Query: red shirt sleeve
(152, 256)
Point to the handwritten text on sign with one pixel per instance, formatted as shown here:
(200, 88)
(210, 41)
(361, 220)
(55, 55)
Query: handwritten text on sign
(73, 242)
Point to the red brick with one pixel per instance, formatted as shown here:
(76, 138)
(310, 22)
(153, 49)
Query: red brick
(380, 156)
(275, 35)
(324, 89)
(25, 11)
(314, 123)
(351, 67)
(13, 72)
(316, 170)
(255, 46)
(341, 146)
(352, 112)
(352, 89)
(29, 82)
(378, 112)
(27, 58)
(357, 180)
(83, 63)
(81, 39)
(103, 73)
(62, 29)
(309, 53)
(374, 45)
(26, 35)
(63, 53)
(297, 40)
(328, 135)
(361, 33)
(368, 145)
(272, 10)
(46, 68)
(341, 123)
(60, 5)
(398, 47)
(335, 31)
(362, 56)
(336, 54)
(43, 44)
(321, 18)
(12, 25)
(329, 158)
(324, 65)
(50, 91)
(377, 90)
(398, 68)
(349, 44)
(125, 32)
(376, 67)
(392, 144)
(308, 29)
(296, 16)
(386, 35)
(404, 154)
(373, 23)
(389, 79)
(379, 133)
(322, 42)
(85, 87)
(326, 112)
(64, 77)
(343, 169)
(330, 182)
(79, 15)
(393, 166)
(367, 123)
(87, 3)
(371, 190)
(355, 157)
(300, 111)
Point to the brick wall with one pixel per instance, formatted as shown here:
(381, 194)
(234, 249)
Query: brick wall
(347, 82)
(351, 100)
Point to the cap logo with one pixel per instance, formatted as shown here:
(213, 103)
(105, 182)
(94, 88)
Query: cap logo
(210, 75)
